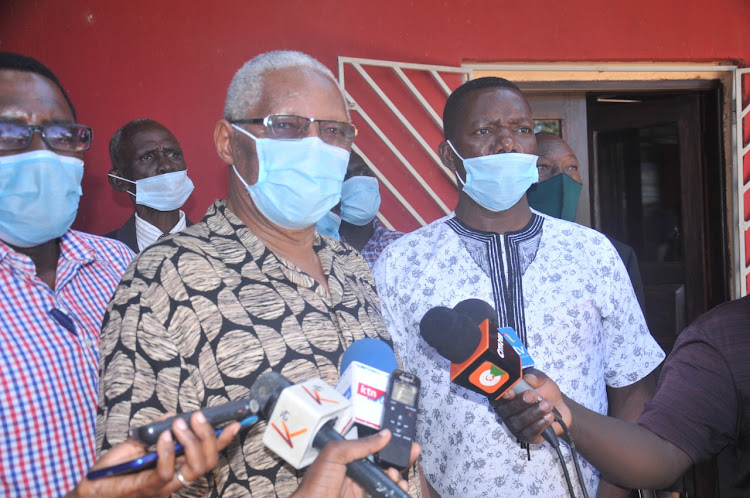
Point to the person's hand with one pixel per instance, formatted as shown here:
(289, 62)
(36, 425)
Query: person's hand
(201, 455)
(326, 477)
(525, 416)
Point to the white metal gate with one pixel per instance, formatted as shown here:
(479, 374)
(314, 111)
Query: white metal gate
(741, 192)
(740, 131)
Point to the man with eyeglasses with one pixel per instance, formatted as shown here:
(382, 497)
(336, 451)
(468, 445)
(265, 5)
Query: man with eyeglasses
(252, 287)
(55, 284)
(148, 164)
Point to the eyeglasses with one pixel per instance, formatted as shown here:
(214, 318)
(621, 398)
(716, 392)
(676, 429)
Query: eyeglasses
(60, 137)
(289, 127)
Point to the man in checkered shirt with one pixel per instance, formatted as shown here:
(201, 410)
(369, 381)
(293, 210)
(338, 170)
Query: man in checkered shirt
(55, 284)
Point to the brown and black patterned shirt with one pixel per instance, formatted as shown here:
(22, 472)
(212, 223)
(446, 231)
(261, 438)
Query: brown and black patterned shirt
(200, 315)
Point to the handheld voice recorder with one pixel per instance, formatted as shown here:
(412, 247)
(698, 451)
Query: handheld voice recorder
(400, 416)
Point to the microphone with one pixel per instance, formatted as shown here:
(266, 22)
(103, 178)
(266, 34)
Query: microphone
(366, 367)
(482, 360)
(303, 418)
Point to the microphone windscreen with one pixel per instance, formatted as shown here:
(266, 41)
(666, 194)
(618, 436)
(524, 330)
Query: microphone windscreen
(371, 352)
(478, 311)
(454, 336)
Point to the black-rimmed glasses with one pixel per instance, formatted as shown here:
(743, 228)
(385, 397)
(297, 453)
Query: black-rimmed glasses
(61, 137)
(290, 127)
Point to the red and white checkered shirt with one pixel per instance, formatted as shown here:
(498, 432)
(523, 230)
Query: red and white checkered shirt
(50, 362)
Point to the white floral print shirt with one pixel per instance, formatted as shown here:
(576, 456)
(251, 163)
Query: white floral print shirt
(564, 289)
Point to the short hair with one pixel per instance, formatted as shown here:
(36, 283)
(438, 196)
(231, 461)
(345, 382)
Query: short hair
(17, 62)
(247, 84)
(455, 100)
(116, 142)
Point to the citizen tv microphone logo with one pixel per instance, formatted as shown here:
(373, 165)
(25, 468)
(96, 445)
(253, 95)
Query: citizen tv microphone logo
(370, 392)
(488, 377)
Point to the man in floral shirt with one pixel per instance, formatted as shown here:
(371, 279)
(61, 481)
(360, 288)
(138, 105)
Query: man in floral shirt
(561, 286)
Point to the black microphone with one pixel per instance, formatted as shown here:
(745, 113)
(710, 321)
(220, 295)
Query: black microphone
(301, 420)
(481, 359)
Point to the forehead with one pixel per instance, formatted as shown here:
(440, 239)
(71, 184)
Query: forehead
(357, 167)
(31, 98)
(553, 148)
(300, 91)
(493, 104)
(151, 135)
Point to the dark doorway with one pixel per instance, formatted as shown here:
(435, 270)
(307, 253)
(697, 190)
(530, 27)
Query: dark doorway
(657, 185)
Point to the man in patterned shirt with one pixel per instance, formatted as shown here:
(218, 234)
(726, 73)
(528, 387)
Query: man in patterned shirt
(561, 286)
(55, 284)
(252, 287)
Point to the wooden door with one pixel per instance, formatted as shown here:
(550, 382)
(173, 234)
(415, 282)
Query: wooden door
(649, 194)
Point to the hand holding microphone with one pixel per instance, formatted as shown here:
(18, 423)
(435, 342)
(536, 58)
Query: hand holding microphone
(302, 420)
(482, 360)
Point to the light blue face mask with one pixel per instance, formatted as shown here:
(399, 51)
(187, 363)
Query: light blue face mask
(39, 193)
(298, 180)
(498, 181)
(165, 192)
(329, 225)
(360, 200)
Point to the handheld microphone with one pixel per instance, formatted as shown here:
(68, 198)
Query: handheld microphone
(366, 367)
(481, 360)
(215, 415)
(303, 418)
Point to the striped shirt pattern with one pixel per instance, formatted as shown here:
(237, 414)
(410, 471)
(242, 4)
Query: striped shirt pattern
(50, 362)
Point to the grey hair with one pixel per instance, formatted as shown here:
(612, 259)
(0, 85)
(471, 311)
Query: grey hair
(247, 84)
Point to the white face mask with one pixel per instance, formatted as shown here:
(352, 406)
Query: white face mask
(39, 193)
(360, 200)
(298, 180)
(498, 181)
(165, 192)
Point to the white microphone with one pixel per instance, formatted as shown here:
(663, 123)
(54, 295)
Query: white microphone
(366, 367)
(303, 418)
(300, 411)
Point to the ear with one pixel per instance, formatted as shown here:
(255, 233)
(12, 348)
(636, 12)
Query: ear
(224, 141)
(117, 184)
(447, 156)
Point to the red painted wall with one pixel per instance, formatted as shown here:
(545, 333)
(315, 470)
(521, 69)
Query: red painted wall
(172, 60)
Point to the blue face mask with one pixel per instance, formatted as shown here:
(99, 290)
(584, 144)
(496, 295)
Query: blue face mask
(39, 193)
(498, 181)
(165, 192)
(360, 200)
(298, 180)
(329, 225)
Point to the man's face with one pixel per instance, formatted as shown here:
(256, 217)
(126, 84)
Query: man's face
(556, 157)
(493, 121)
(31, 99)
(296, 91)
(149, 151)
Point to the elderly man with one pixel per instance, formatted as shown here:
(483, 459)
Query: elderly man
(148, 164)
(55, 284)
(252, 287)
(561, 286)
(557, 194)
(354, 221)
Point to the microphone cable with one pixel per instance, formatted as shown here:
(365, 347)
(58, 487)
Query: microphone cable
(556, 444)
(574, 454)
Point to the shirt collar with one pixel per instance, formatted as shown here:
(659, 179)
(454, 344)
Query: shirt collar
(147, 234)
(72, 248)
